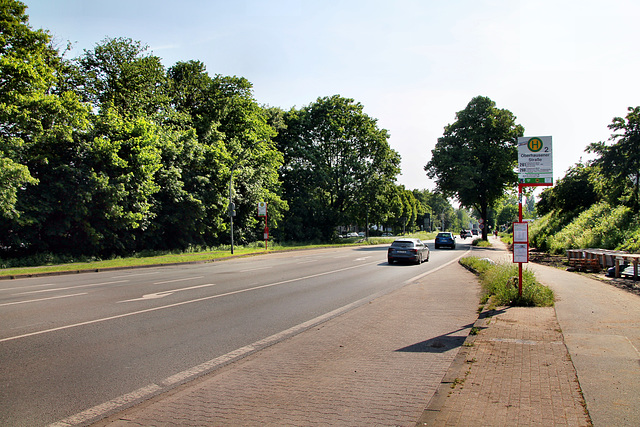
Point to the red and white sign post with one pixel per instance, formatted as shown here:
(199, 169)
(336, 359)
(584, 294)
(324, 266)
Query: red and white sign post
(262, 211)
(535, 169)
(520, 246)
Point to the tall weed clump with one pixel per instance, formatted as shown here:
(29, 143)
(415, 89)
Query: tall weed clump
(500, 285)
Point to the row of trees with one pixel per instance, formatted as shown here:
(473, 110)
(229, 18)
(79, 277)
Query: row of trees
(112, 153)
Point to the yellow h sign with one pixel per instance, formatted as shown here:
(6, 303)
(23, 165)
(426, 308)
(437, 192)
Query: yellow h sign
(535, 144)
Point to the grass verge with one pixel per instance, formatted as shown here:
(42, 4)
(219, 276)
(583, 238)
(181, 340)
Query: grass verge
(481, 243)
(48, 264)
(500, 285)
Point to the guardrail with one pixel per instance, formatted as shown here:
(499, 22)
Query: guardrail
(597, 259)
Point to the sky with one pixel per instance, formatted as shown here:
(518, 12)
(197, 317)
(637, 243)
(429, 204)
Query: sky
(564, 68)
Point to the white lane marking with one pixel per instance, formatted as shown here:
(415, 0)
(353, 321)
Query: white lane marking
(363, 258)
(255, 269)
(167, 293)
(137, 274)
(149, 310)
(26, 287)
(40, 299)
(70, 287)
(178, 280)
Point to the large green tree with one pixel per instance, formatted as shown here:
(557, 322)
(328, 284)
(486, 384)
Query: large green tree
(98, 177)
(573, 193)
(233, 138)
(27, 73)
(119, 73)
(475, 159)
(41, 121)
(619, 163)
(337, 166)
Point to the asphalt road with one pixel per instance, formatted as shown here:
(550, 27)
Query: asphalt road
(69, 343)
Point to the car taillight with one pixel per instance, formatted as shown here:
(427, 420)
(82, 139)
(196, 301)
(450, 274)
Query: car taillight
(415, 251)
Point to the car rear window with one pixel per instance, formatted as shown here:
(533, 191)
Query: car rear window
(444, 235)
(402, 244)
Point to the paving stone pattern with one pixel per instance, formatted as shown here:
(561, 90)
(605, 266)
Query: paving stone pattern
(377, 365)
(516, 373)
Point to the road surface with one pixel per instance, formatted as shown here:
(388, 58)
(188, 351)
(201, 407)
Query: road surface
(73, 342)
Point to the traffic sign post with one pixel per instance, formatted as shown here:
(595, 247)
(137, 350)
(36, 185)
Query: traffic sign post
(535, 168)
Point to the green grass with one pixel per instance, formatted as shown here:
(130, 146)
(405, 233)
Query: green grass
(500, 285)
(481, 243)
(125, 262)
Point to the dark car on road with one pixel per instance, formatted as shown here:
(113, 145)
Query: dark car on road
(445, 238)
(414, 250)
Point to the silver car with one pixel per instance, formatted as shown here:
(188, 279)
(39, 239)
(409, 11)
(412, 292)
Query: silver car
(414, 250)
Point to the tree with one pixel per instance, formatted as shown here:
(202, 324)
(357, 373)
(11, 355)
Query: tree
(40, 122)
(118, 73)
(475, 158)
(507, 211)
(232, 134)
(572, 194)
(337, 166)
(619, 163)
(26, 74)
(439, 209)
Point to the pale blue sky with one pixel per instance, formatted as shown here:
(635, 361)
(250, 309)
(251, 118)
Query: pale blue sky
(565, 68)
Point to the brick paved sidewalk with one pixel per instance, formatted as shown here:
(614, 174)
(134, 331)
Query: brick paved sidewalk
(516, 371)
(377, 365)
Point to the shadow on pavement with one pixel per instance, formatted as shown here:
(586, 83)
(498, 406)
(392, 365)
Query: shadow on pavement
(438, 344)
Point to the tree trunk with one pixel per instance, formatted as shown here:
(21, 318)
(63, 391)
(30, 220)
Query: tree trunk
(483, 215)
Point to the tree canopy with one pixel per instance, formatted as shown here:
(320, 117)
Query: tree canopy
(619, 163)
(475, 159)
(338, 166)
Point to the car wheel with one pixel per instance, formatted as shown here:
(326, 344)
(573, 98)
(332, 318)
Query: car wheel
(390, 260)
(437, 247)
